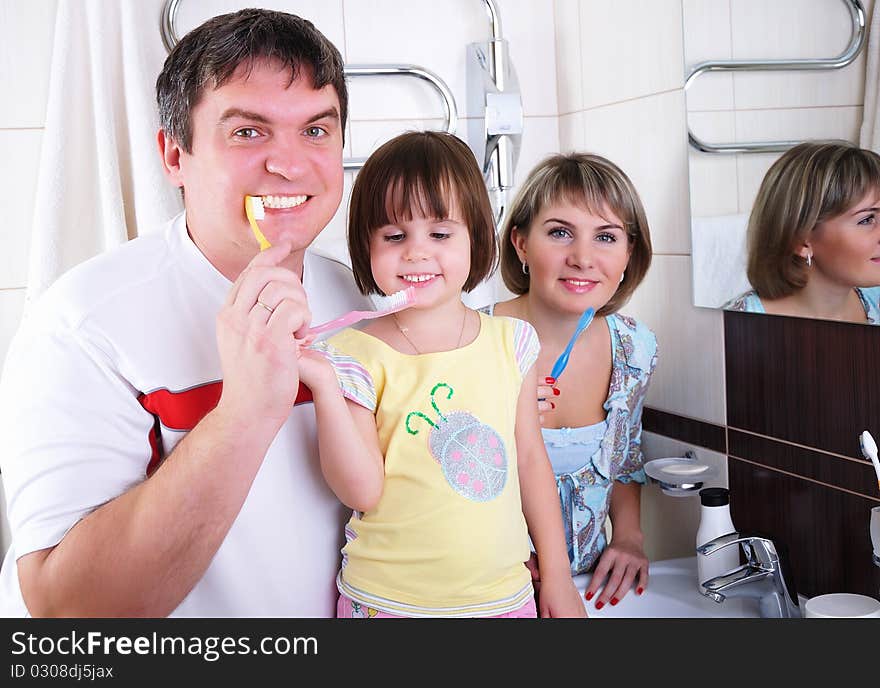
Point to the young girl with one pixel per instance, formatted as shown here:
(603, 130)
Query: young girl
(814, 238)
(575, 237)
(436, 446)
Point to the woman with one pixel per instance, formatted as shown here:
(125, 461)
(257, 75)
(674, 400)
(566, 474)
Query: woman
(577, 237)
(814, 236)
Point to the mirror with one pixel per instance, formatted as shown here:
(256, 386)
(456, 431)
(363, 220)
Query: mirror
(743, 107)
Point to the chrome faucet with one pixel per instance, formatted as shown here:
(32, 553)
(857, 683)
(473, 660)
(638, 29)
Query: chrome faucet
(763, 576)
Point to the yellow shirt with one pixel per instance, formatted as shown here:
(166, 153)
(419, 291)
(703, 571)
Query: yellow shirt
(448, 537)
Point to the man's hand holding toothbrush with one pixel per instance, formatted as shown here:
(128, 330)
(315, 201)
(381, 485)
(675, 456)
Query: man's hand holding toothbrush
(259, 357)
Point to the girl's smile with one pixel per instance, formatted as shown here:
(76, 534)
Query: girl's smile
(433, 255)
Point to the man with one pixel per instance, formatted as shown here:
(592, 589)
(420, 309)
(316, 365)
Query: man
(160, 455)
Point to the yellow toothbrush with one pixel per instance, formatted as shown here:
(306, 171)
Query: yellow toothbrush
(253, 208)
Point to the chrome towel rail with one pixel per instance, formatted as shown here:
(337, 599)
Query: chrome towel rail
(857, 41)
(450, 111)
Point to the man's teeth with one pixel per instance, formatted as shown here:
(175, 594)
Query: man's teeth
(417, 278)
(283, 201)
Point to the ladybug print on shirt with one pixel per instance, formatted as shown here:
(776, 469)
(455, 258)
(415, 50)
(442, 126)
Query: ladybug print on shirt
(471, 454)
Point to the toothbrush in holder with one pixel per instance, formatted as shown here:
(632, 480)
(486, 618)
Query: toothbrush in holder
(869, 451)
(387, 305)
(562, 361)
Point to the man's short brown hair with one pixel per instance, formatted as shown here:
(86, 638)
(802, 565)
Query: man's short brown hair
(209, 55)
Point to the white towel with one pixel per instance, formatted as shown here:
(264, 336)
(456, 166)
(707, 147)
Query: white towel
(869, 137)
(719, 257)
(100, 177)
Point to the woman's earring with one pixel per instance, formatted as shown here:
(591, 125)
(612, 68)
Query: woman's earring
(525, 268)
(810, 259)
(622, 277)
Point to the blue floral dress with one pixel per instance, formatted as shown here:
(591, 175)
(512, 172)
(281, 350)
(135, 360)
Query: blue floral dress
(750, 302)
(588, 460)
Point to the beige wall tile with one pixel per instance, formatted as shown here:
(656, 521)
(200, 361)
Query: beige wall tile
(26, 30)
(630, 49)
(20, 152)
(689, 379)
(529, 30)
(647, 139)
(707, 37)
(569, 80)
(571, 132)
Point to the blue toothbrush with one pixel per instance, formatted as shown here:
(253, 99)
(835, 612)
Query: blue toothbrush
(562, 361)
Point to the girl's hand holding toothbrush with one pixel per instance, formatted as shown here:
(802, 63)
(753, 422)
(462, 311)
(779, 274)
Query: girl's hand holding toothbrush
(258, 357)
(547, 393)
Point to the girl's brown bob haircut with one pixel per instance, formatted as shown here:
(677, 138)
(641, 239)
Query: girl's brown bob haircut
(809, 184)
(428, 173)
(590, 182)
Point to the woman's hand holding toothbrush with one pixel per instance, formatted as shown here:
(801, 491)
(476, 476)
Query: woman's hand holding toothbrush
(258, 357)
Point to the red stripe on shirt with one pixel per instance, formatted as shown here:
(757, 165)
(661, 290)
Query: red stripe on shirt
(184, 410)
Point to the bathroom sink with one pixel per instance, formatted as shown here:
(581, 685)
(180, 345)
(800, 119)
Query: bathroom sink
(671, 593)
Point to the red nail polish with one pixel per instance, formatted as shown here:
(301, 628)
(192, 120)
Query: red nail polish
(614, 601)
(552, 405)
(589, 596)
(639, 591)
(599, 605)
(555, 391)
(550, 380)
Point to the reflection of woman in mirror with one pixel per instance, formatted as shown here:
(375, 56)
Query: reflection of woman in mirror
(814, 236)
(577, 236)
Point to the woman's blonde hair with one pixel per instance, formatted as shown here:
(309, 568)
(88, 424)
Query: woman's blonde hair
(809, 184)
(587, 181)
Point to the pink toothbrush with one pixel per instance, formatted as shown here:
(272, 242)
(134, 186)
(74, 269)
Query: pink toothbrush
(387, 305)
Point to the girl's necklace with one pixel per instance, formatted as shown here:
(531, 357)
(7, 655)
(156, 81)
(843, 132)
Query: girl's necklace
(415, 348)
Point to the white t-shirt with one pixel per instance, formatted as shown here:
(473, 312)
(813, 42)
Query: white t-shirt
(113, 366)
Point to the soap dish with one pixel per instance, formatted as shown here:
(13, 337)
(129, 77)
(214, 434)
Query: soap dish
(680, 476)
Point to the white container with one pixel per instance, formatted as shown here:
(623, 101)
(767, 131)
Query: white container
(715, 521)
(842, 605)
(875, 530)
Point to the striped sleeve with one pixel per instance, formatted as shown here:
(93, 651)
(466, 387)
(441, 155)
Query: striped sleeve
(526, 345)
(355, 381)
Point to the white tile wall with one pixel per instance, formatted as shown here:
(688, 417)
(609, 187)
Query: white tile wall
(689, 379)
(326, 15)
(630, 49)
(435, 36)
(645, 137)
